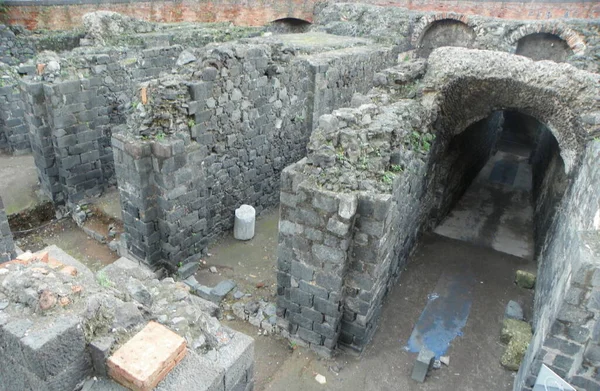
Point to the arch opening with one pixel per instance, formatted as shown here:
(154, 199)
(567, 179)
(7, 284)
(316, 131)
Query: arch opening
(467, 100)
(289, 26)
(504, 173)
(544, 46)
(445, 32)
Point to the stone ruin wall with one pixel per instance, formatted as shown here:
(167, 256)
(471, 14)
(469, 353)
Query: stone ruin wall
(67, 114)
(65, 14)
(340, 251)
(244, 118)
(65, 150)
(567, 319)
(7, 245)
(60, 323)
(178, 190)
(71, 121)
(394, 26)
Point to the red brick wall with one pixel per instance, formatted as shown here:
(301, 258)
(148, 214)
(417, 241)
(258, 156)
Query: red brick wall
(257, 13)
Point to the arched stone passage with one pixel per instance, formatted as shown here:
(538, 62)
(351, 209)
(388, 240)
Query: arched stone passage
(469, 85)
(369, 185)
(290, 25)
(572, 38)
(439, 30)
(544, 46)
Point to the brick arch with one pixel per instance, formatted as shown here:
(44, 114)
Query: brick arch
(428, 21)
(571, 37)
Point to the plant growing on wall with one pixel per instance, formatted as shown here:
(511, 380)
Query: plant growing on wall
(420, 142)
(387, 178)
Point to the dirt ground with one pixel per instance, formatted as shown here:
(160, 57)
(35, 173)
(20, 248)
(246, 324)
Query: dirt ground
(385, 365)
(251, 264)
(69, 237)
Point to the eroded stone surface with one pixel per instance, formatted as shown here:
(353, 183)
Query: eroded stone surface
(49, 332)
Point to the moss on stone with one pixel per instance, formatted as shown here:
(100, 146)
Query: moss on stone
(515, 351)
(512, 328)
(525, 279)
(517, 335)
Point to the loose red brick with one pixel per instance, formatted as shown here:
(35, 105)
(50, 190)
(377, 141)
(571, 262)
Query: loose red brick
(147, 358)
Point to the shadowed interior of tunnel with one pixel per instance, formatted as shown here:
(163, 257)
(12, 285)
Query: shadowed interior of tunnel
(289, 26)
(500, 183)
(544, 46)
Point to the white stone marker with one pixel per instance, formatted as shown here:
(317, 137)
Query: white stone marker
(243, 227)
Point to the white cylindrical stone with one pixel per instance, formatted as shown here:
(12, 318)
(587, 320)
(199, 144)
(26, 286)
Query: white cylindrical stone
(243, 227)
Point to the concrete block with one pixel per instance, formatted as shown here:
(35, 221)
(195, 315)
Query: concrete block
(300, 297)
(325, 329)
(51, 349)
(328, 254)
(237, 357)
(299, 320)
(326, 307)
(99, 350)
(245, 217)
(423, 364)
(194, 372)
(167, 348)
(302, 271)
(309, 335)
(215, 294)
(10, 334)
(188, 270)
(223, 288)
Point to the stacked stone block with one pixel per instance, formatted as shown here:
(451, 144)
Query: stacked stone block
(79, 118)
(67, 122)
(13, 49)
(338, 255)
(339, 74)
(249, 111)
(385, 232)
(139, 208)
(14, 133)
(315, 235)
(7, 246)
(572, 348)
(40, 136)
(70, 122)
